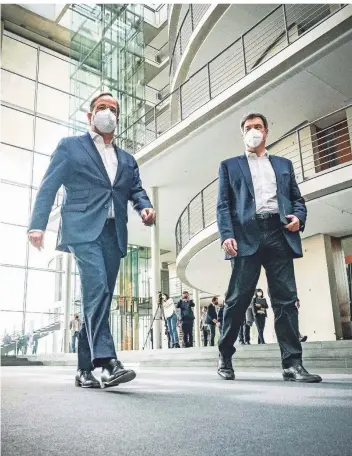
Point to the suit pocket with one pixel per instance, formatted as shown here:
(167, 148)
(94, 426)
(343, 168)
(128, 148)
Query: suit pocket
(75, 207)
(285, 178)
(78, 195)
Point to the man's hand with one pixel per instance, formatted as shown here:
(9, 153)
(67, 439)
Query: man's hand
(230, 247)
(215, 321)
(148, 216)
(36, 238)
(295, 223)
(297, 304)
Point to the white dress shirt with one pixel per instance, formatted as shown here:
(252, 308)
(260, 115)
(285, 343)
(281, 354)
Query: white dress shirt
(264, 183)
(109, 157)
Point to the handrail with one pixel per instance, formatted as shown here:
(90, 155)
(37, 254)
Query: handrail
(189, 13)
(311, 155)
(278, 30)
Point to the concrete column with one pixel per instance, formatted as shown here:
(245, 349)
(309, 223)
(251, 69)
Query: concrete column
(197, 318)
(67, 299)
(155, 282)
(340, 281)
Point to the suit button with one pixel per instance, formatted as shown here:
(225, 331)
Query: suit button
(106, 206)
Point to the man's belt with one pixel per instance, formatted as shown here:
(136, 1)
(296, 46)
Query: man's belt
(266, 215)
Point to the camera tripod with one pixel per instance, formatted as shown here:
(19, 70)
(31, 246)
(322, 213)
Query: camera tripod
(160, 309)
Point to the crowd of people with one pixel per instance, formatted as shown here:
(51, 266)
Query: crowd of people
(179, 318)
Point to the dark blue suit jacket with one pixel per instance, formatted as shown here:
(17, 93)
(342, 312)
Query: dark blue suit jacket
(77, 165)
(236, 203)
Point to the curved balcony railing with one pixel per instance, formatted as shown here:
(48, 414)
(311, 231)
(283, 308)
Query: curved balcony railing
(312, 150)
(192, 18)
(283, 26)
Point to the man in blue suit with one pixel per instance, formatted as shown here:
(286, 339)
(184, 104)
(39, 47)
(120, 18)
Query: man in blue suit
(98, 179)
(260, 212)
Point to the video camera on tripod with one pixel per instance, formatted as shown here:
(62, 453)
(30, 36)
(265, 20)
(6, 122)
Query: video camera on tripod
(158, 311)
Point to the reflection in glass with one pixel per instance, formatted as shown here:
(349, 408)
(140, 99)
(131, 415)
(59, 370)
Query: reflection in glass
(16, 164)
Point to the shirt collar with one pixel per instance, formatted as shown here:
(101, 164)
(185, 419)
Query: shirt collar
(96, 137)
(253, 155)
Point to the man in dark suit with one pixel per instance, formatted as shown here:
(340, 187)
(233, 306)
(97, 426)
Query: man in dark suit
(260, 212)
(212, 319)
(98, 179)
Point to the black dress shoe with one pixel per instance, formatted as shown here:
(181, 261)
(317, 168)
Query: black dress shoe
(225, 369)
(86, 379)
(113, 373)
(299, 374)
(177, 346)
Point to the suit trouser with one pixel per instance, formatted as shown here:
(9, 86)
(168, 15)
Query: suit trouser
(205, 335)
(244, 333)
(187, 330)
(212, 328)
(260, 322)
(98, 264)
(276, 257)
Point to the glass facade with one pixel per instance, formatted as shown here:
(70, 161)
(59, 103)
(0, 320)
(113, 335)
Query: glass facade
(108, 43)
(35, 94)
(45, 97)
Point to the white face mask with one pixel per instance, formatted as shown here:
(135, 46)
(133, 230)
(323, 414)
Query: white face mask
(253, 138)
(104, 121)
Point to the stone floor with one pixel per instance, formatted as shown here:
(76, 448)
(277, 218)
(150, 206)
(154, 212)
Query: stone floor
(184, 411)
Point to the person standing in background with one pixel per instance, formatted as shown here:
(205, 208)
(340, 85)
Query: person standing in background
(259, 306)
(204, 327)
(75, 327)
(187, 318)
(212, 319)
(220, 316)
(171, 320)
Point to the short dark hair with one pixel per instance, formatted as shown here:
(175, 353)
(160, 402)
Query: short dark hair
(100, 95)
(215, 298)
(205, 307)
(253, 115)
(185, 292)
(167, 296)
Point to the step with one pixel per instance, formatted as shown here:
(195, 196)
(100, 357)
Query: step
(19, 361)
(335, 356)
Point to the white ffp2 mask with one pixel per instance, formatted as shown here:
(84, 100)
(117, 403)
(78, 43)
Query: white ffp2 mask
(104, 121)
(253, 138)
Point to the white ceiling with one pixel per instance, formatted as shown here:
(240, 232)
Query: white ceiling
(186, 167)
(208, 270)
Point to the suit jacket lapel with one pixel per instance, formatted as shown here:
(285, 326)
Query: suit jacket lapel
(88, 144)
(276, 167)
(243, 162)
(120, 164)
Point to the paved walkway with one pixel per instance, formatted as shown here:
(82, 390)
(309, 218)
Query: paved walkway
(172, 412)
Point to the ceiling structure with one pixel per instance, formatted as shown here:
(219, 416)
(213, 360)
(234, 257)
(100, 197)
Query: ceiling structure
(186, 167)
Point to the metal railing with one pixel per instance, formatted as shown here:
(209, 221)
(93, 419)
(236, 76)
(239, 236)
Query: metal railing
(311, 149)
(284, 25)
(154, 96)
(192, 18)
(16, 340)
